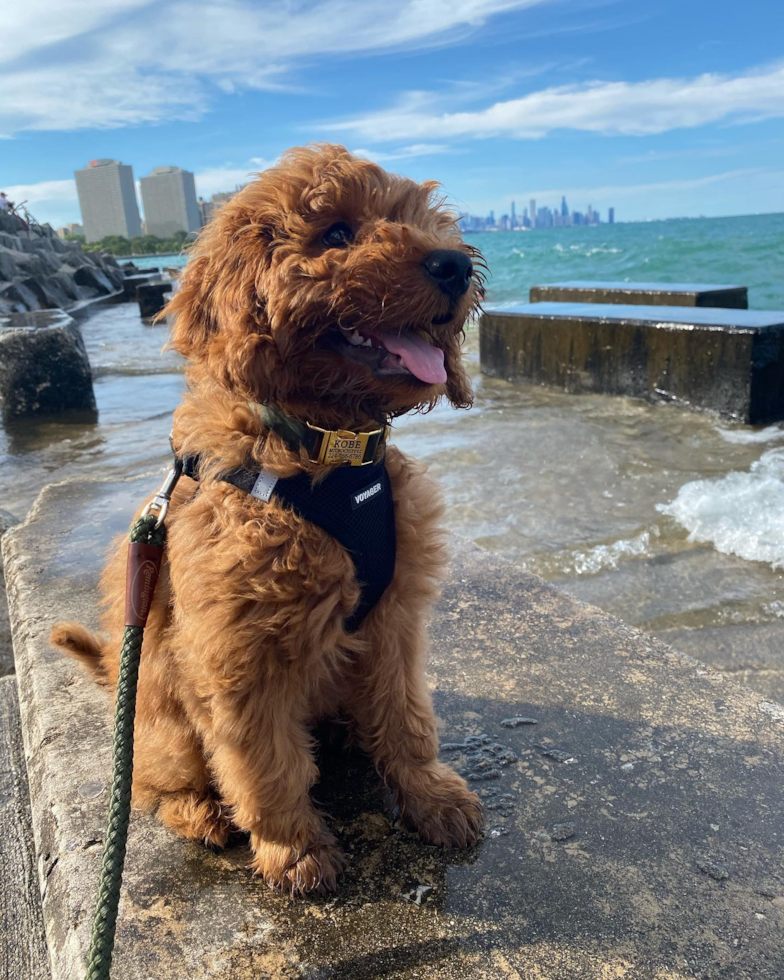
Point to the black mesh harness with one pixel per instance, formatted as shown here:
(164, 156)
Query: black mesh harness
(353, 504)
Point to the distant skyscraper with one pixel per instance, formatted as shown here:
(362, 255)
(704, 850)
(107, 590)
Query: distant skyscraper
(72, 228)
(564, 208)
(611, 216)
(513, 216)
(532, 212)
(107, 199)
(169, 200)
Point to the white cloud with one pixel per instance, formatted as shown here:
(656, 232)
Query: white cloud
(609, 108)
(656, 156)
(405, 152)
(216, 180)
(54, 201)
(73, 65)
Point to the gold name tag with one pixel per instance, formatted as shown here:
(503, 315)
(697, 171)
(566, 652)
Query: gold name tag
(343, 447)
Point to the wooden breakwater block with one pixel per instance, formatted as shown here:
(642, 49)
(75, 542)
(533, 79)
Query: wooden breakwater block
(642, 294)
(44, 368)
(729, 361)
(633, 801)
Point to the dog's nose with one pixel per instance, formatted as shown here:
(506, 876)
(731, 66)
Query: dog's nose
(450, 270)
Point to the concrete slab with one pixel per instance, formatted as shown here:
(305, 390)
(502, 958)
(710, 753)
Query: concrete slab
(23, 954)
(633, 797)
(643, 293)
(6, 647)
(728, 361)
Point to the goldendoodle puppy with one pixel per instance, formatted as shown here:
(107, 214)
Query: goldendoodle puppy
(325, 299)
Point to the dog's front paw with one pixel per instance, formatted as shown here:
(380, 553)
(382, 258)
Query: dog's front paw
(438, 804)
(196, 817)
(298, 871)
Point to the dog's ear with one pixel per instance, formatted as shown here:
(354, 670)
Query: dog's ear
(191, 310)
(458, 386)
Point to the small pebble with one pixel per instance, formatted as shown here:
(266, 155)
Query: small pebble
(566, 757)
(517, 721)
(562, 831)
(716, 871)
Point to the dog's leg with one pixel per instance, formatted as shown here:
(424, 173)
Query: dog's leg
(396, 725)
(171, 775)
(265, 768)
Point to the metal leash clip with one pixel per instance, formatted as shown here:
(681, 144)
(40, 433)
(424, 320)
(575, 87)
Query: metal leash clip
(160, 501)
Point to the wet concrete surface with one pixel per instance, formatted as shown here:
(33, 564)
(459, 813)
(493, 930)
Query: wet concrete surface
(642, 293)
(728, 361)
(633, 801)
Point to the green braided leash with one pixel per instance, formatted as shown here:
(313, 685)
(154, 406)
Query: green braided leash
(144, 531)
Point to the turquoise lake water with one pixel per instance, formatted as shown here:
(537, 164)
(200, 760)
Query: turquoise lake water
(747, 251)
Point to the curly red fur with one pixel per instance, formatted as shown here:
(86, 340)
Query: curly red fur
(245, 647)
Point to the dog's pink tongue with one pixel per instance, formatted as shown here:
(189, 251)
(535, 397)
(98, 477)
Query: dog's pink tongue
(422, 359)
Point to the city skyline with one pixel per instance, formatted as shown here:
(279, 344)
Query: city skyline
(536, 217)
(657, 109)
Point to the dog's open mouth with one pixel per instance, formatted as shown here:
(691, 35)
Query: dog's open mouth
(403, 352)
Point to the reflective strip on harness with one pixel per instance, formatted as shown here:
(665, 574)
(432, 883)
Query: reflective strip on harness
(263, 487)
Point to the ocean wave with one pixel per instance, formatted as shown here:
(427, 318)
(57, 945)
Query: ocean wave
(608, 556)
(747, 437)
(739, 514)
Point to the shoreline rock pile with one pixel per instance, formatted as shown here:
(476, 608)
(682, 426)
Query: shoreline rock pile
(38, 271)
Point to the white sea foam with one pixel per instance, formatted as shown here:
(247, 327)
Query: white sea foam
(745, 436)
(739, 514)
(604, 556)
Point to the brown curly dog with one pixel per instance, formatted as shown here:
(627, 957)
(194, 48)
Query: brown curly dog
(329, 292)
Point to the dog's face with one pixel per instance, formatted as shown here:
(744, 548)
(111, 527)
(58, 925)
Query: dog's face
(328, 284)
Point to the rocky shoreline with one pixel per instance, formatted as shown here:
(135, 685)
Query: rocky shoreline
(38, 271)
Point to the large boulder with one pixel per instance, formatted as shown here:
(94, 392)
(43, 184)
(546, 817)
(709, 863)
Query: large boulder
(68, 286)
(94, 279)
(47, 291)
(7, 264)
(44, 369)
(20, 297)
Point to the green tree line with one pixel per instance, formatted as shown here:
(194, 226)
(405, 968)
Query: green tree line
(141, 245)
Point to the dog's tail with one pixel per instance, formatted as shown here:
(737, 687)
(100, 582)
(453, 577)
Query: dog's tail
(83, 645)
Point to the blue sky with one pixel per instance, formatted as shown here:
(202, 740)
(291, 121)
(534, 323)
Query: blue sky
(658, 107)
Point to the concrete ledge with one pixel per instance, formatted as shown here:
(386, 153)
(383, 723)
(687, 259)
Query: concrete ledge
(729, 361)
(642, 293)
(23, 954)
(635, 826)
(6, 649)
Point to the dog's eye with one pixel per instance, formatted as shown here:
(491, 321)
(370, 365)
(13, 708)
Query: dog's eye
(338, 235)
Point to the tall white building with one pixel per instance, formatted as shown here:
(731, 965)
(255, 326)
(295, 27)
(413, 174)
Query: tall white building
(107, 199)
(169, 201)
